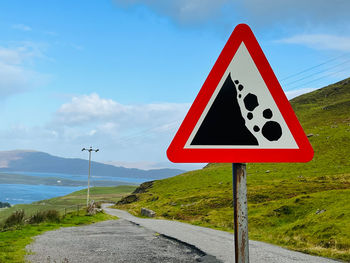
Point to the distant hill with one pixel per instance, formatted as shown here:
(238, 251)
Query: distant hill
(33, 161)
(302, 206)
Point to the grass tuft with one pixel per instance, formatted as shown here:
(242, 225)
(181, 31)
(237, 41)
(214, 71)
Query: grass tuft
(49, 216)
(17, 218)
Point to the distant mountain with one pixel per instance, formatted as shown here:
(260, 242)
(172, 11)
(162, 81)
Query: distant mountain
(33, 161)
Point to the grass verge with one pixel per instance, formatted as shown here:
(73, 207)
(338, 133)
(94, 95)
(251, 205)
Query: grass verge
(71, 202)
(13, 243)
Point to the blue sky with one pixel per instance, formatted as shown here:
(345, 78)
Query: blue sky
(120, 75)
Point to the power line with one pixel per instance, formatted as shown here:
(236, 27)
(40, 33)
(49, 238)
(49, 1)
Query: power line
(175, 122)
(333, 73)
(311, 68)
(316, 73)
(142, 132)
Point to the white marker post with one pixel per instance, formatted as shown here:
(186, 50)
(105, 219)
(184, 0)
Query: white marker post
(240, 208)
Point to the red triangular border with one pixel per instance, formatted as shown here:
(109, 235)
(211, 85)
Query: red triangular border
(176, 151)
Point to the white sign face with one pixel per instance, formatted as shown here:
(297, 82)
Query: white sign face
(241, 113)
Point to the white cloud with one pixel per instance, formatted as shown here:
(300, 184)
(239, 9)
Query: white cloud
(16, 74)
(14, 79)
(22, 27)
(258, 13)
(125, 132)
(138, 165)
(51, 33)
(156, 165)
(295, 93)
(320, 41)
(86, 109)
(132, 133)
(183, 11)
(297, 12)
(92, 132)
(10, 56)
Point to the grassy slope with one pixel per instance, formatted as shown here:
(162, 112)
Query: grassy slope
(283, 198)
(71, 201)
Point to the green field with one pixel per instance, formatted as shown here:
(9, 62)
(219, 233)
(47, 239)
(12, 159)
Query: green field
(301, 206)
(71, 202)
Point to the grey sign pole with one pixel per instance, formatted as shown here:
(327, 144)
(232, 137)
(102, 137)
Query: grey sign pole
(240, 207)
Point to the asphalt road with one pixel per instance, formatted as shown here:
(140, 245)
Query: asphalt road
(131, 239)
(218, 243)
(111, 241)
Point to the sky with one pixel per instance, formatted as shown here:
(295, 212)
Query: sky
(120, 75)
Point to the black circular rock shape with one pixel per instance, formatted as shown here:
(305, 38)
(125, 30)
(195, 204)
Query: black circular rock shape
(250, 115)
(251, 102)
(272, 131)
(267, 114)
(236, 81)
(256, 128)
(240, 87)
(240, 96)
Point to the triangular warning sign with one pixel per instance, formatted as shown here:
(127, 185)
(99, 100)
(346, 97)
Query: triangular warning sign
(241, 113)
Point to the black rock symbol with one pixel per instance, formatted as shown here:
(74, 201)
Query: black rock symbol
(272, 130)
(224, 123)
(251, 102)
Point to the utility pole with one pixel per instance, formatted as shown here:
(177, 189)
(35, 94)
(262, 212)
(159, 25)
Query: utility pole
(88, 191)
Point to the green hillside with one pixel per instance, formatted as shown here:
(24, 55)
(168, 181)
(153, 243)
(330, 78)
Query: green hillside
(301, 206)
(71, 202)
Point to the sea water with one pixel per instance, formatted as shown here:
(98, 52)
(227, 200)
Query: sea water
(81, 177)
(24, 194)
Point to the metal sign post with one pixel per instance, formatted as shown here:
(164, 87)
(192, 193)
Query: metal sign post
(240, 115)
(240, 207)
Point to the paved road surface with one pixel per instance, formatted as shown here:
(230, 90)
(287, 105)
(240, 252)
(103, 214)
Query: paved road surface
(113, 241)
(132, 240)
(218, 243)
